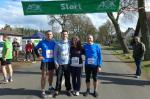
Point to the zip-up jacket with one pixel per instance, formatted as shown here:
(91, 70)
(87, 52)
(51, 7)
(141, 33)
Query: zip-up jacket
(61, 53)
(93, 57)
(47, 47)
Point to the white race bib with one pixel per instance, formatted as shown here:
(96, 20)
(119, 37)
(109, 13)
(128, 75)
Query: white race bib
(64, 54)
(75, 61)
(49, 53)
(90, 60)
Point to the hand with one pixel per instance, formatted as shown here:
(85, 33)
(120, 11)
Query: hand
(40, 58)
(99, 69)
(4, 58)
(56, 66)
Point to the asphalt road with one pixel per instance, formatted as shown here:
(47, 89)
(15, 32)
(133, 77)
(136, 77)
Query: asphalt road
(116, 82)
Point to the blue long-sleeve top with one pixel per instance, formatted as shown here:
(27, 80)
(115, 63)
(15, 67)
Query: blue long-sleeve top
(93, 55)
(47, 47)
(61, 53)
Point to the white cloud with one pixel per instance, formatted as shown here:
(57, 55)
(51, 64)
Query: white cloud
(147, 5)
(13, 14)
(98, 18)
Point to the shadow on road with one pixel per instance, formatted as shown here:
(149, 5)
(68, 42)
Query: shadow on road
(26, 72)
(111, 53)
(20, 91)
(120, 79)
(119, 61)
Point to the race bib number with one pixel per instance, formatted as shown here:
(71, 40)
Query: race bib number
(64, 54)
(90, 60)
(49, 53)
(75, 61)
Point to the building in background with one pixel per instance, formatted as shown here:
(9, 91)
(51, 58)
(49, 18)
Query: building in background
(12, 35)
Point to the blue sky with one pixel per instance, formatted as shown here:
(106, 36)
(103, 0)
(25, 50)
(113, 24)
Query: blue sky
(11, 13)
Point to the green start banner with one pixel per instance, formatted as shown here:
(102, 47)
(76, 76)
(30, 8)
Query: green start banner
(69, 7)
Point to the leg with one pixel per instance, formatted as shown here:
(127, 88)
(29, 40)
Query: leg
(59, 78)
(43, 79)
(67, 77)
(33, 55)
(73, 74)
(138, 67)
(17, 54)
(95, 82)
(4, 72)
(43, 75)
(10, 72)
(88, 74)
(13, 55)
(94, 75)
(50, 78)
(26, 55)
(78, 74)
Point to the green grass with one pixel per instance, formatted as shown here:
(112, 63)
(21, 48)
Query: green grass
(127, 58)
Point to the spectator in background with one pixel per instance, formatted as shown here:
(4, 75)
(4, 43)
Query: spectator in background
(33, 53)
(6, 59)
(28, 50)
(138, 53)
(16, 47)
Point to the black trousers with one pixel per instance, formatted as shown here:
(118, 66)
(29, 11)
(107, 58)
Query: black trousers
(63, 70)
(76, 77)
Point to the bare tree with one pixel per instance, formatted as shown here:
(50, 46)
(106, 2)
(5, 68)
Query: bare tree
(105, 31)
(79, 25)
(144, 27)
(125, 6)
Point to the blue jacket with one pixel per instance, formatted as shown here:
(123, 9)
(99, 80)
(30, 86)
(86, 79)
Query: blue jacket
(47, 47)
(93, 57)
(61, 53)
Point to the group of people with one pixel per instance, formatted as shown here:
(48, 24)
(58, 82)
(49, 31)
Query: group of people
(65, 57)
(10, 53)
(29, 50)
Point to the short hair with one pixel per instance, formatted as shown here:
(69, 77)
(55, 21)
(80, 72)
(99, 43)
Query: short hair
(5, 35)
(64, 31)
(48, 31)
(90, 35)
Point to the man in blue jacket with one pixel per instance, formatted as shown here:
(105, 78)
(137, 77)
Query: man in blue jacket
(47, 60)
(93, 63)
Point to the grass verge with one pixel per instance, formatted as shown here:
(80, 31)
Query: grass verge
(127, 58)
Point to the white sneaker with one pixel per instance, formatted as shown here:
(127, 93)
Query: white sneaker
(74, 93)
(77, 93)
(4, 81)
(10, 80)
(34, 62)
(43, 94)
(137, 76)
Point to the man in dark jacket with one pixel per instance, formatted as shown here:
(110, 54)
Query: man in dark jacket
(138, 53)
